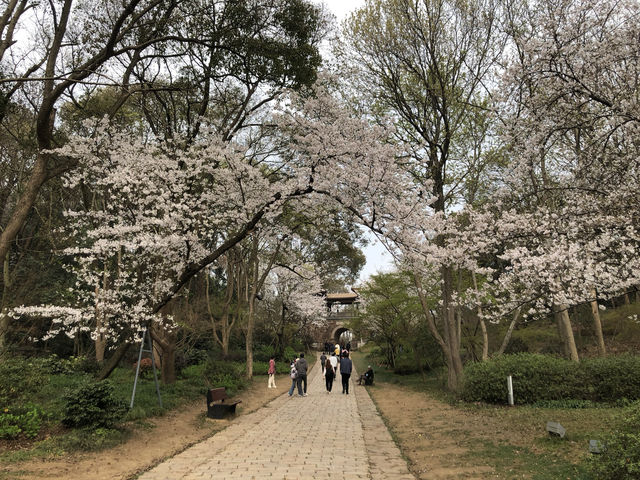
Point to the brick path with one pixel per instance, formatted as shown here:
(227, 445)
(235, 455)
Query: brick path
(319, 436)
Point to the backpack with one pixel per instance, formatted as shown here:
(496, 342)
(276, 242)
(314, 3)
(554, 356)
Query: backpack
(294, 373)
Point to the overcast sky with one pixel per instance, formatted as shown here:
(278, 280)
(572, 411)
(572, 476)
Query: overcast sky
(341, 8)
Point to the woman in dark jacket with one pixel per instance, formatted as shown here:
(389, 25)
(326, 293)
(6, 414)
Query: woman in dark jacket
(328, 375)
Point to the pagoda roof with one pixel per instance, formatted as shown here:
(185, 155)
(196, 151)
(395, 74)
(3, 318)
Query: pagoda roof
(345, 297)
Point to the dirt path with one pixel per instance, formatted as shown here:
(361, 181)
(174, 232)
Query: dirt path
(171, 434)
(433, 435)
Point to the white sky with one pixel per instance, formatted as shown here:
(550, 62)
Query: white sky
(378, 259)
(341, 8)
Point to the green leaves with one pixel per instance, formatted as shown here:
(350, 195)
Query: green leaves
(93, 404)
(25, 420)
(539, 378)
(621, 458)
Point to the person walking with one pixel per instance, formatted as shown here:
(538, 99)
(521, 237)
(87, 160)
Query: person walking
(329, 375)
(323, 360)
(272, 373)
(301, 368)
(334, 363)
(345, 371)
(293, 373)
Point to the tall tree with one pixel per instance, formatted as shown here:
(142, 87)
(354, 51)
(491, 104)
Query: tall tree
(424, 63)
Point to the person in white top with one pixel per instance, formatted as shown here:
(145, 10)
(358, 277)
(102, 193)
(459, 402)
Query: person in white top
(334, 362)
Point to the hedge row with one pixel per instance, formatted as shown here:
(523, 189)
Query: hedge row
(541, 377)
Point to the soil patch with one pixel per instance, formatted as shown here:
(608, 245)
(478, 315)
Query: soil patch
(161, 438)
(431, 434)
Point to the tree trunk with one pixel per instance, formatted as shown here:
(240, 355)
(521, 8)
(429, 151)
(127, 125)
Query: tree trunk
(597, 324)
(165, 342)
(100, 342)
(626, 298)
(567, 332)
(507, 336)
(449, 350)
(561, 332)
(112, 363)
(168, 369)
(452, 339)
(483, 325)
(4, 318)
(249, 343)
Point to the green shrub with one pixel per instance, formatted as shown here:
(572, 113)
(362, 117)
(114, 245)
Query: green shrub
(612, 378)
(405, 365)
(517, 345)
(535, 377)
(538, 378)
(52, 365)
(567, 403)
(93, 404)
(19, 379)
(190, 357)
(223, 373)
(25, 420)
(289, 354)
(621, 458)
(263, 353)
(88, 440)
(261, 368)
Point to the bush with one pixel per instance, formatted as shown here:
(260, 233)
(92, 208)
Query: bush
(25, 420)
(535, 377)
(261, 368)
(612, 378)
(289, 354)
(538, 378)
(189, 357)
(222, 373)
(88, 440)
(19, 379)
(405, 365)
(621, 458)
(567, 403)
(516, 345)
(93, 405)
(263, 353)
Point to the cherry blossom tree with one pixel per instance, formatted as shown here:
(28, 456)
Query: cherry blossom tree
(563, 224)
(168, 209)
(172, 65)
(292, 301)
(570, 107)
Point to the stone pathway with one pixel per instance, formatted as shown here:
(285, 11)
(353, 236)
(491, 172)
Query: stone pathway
(315, 437)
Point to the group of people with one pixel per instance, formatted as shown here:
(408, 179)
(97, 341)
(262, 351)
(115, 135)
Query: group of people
(330, 369)
(329, 364)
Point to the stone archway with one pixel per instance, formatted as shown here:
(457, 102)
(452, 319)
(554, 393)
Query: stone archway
(341, 308)
(341, 335)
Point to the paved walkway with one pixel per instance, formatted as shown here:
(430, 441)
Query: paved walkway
(321, 436)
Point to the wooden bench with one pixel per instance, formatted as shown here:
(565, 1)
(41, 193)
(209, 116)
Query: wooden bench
(219, 410)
